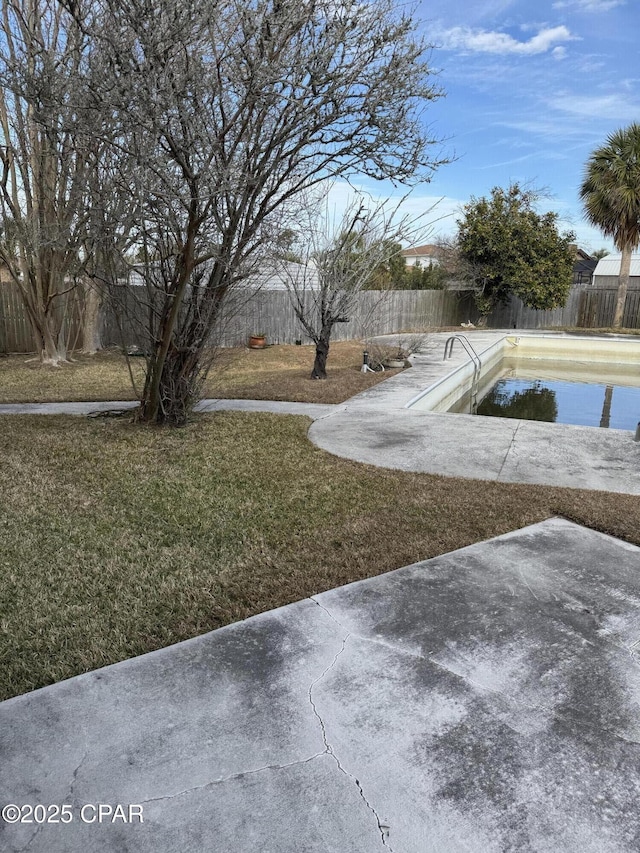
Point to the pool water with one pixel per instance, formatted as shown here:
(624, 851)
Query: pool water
(597, 404)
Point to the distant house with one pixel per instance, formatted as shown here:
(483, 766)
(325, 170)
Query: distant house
(608, 269)
(583, 267)
(274, 275)
(284, 275)
(424, 255)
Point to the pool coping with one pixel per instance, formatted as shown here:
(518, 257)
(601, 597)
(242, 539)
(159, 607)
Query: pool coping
(377, 428)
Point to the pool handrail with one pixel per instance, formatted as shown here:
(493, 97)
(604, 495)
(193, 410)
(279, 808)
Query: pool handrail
(477, 365)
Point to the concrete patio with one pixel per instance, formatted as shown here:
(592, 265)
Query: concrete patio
(484, 700)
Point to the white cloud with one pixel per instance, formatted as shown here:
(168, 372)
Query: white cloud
(559, 52)
(615, 106)
(590, 64)
(589, 5)
(534, 155)
(484, 41)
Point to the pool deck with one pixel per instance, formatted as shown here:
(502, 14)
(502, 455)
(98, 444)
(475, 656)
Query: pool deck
(376, 427)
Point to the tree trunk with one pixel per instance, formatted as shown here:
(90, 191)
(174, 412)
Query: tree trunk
(91, 331)
(177, 389)
(322, 351)
(623, 286)
(49, 334)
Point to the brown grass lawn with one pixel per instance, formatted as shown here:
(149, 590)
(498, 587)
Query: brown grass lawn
(275, 373)
(119, 539)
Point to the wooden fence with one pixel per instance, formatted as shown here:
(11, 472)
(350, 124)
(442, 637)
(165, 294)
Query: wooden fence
(587, 307)
(124, 319)
(15, 332)
(515, 314)
(269, 312)
(597, 306)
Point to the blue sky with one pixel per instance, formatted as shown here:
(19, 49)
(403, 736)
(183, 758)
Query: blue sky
(532, 87)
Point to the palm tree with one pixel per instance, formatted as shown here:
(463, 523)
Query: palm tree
(610, 193)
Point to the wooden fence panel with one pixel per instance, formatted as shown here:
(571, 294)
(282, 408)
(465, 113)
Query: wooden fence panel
(514, 314)
(15, 332)
(631, 317)
(270, 312)
(15, 329)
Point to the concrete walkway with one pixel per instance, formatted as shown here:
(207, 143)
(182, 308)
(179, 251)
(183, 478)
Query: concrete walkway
(311, 410)
(486, 700)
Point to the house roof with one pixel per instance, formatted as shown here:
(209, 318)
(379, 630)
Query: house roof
(580, 254)
(584, 256)
(427, 251)
(610, 265)
(585, 265)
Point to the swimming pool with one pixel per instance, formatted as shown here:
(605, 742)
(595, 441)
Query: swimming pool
(557, 379)
(567, 400)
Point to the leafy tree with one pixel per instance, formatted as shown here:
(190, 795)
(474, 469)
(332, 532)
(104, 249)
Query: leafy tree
(610, 193)
(507, 247)
(228, 112)
(417, 277)
(283, 246)
(397, 267)
(390, 270)
(599, 254)
(434, 277)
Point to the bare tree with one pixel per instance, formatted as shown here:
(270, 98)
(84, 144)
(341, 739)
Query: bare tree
(110, 237)
(43, 162)
(227, 112)
(338, 264)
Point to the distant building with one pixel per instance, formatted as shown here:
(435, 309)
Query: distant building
(424, 255)
(274, 275)
(608, 269)
(285, 275)
(583, 267)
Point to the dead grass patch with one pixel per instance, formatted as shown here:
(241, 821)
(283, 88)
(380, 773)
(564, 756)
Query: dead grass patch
(276, 373)
(103, 376)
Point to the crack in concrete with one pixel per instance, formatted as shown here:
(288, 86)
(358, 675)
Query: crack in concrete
(30, 841)
(332, 617)
(338, 410)
(233, 776)
(545, 709)
(509, 449)
(74, 777)
(383, 829)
